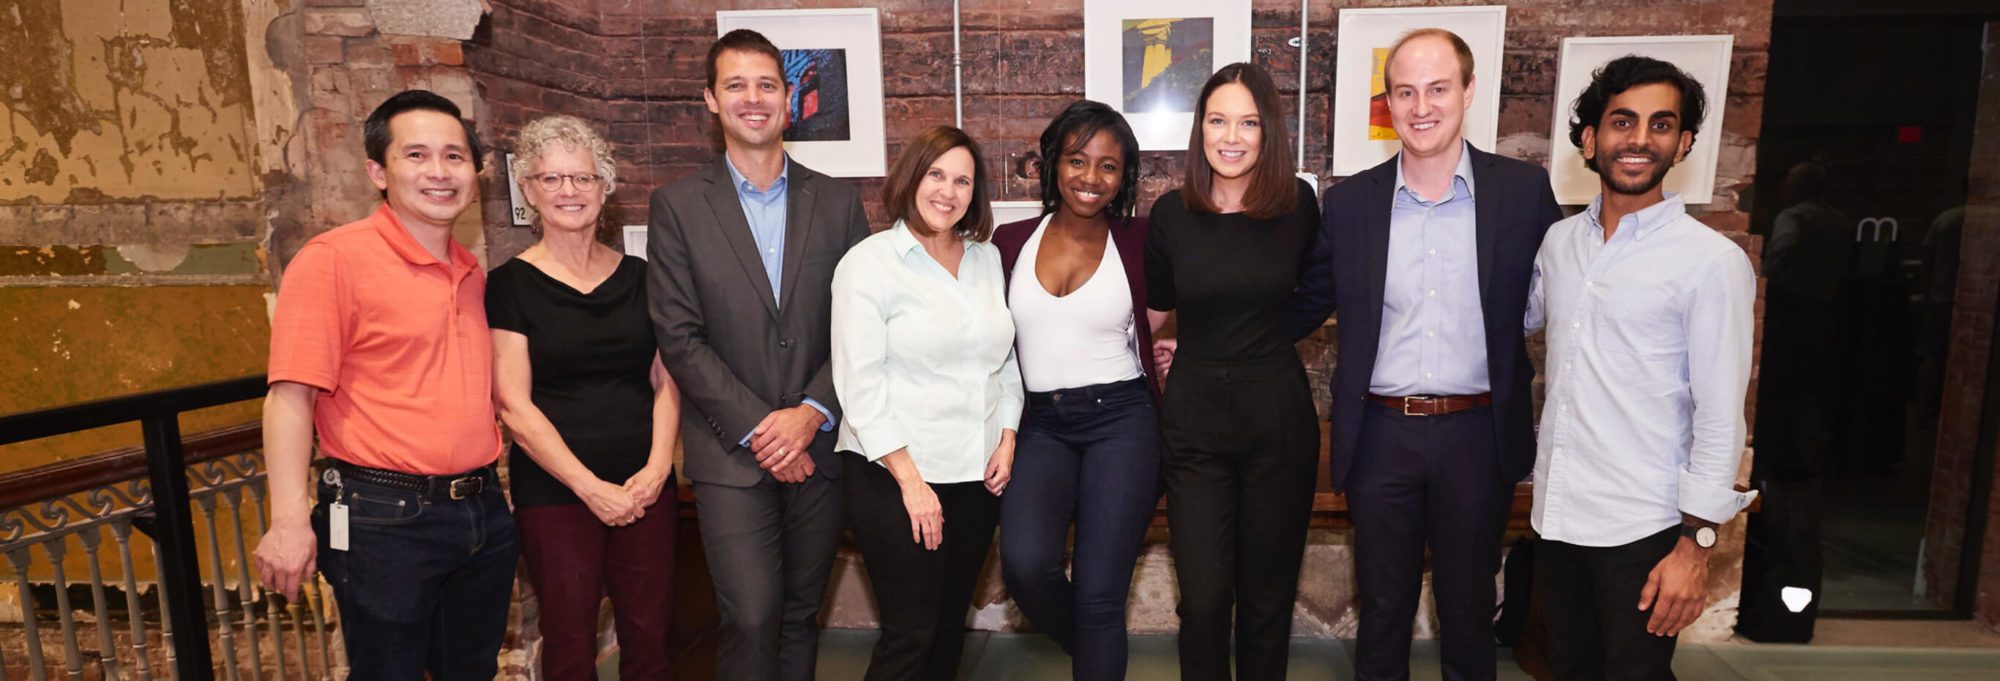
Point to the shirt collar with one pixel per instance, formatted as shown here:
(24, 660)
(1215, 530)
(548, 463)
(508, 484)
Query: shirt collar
(902, 240)
(743, 184)
(1647, 220)
(1463, 173)
(405, 245)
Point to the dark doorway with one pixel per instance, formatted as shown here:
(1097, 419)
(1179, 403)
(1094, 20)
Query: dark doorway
(1860, 195)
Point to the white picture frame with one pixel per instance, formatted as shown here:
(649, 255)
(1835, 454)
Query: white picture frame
(856, 147)
(635, 240)
(516, 204)
(1705, 57)
(1362, 31)
(1160, 111)
(1007, 212)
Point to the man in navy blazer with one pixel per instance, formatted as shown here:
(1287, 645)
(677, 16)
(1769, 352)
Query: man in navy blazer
(1427, 257)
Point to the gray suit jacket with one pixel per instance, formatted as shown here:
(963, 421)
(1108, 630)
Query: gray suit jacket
(737, 354)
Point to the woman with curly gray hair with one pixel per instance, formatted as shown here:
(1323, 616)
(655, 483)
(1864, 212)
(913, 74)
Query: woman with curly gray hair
(592, 412)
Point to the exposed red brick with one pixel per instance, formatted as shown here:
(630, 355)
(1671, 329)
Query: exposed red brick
(350, 22)
(323, 49)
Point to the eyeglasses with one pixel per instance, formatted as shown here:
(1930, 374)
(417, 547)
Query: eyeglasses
(553, 182)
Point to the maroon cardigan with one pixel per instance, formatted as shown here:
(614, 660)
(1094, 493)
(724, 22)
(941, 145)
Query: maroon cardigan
(1129, 236)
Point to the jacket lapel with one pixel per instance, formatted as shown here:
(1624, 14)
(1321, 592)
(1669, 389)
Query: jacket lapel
(728, 209)
(1380, 198)
(798, 224)
(1486, 220)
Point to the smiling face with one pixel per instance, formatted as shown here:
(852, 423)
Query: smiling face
(749, 96)
(567, 208)
(1231, 131)
(427, 174)
(1428, 95)
(946, 191)
(1639, 139)
(1089, 177)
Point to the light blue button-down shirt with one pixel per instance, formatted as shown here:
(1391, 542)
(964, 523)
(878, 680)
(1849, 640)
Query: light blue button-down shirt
(1648, 365)
(1433, 339)
(765, 211)
(924, 360)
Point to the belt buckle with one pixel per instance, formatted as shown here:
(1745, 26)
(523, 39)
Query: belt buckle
(467, 486)
(1412, 399)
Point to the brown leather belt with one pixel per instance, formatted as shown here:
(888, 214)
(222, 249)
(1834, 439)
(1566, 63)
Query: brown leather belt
(1433, 405)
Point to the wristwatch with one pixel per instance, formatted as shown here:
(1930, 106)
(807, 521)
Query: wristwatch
(1703, 536)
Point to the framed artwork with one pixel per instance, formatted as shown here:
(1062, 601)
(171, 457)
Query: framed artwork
(1015, 211)
(1149, 60)
(1706, 57)
(1362, 135)
(833, 62)
(635, 240)
(517, 205)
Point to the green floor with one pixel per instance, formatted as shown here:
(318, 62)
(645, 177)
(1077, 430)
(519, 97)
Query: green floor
(843, 655)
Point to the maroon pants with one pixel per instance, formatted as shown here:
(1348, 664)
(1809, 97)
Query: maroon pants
(574, 561)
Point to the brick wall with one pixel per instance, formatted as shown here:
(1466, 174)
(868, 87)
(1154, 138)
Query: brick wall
(634, 69)
(1966, 385)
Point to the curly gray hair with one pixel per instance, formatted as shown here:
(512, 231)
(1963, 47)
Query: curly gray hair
(543, 134)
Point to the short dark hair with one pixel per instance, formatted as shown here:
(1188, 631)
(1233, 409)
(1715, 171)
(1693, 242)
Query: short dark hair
(740, 40)
(899, 189)
(1273, 191)
(1073, 128)
(375, 131)
(1625, 73)
(1458, 46)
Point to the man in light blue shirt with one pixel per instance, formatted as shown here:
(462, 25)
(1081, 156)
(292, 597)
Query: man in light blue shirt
(739, 281)
(1649, 338)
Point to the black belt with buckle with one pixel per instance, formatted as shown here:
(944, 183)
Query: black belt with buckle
(434, 487)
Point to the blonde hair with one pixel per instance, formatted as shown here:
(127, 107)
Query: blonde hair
(543, 134)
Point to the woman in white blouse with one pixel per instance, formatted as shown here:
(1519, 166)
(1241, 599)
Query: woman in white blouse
(923, 362)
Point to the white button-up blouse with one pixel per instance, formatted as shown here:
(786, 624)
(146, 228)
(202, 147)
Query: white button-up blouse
(921, 359)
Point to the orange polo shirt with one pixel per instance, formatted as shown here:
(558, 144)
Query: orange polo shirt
(397, 342)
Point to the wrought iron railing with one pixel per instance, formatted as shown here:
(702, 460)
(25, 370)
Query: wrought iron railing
(161, 490)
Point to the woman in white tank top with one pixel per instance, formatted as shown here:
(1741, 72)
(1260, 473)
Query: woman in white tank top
(1088, 453)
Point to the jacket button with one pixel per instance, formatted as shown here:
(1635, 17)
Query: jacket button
(785, 343)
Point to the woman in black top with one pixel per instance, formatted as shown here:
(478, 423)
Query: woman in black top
(1242, 436)
(592, 412)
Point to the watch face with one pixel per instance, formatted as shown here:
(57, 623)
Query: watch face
(1705, 537)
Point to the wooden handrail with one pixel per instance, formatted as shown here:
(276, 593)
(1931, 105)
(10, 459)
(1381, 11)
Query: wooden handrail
(21, 488)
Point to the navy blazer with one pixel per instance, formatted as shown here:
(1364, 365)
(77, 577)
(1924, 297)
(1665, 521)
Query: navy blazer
(1349, 267)
(1129, 238)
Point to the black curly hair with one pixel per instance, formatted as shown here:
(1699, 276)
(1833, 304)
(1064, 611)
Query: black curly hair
(1625, 73)
(1073, 128)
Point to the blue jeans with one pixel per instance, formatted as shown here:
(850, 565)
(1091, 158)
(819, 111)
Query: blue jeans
(1088, 456)
(424, 584)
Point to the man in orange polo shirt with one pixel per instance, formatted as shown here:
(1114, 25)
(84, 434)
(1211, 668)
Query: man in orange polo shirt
(379, 345)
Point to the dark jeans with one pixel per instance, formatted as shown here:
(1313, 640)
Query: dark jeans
(1088, 456)
(1588, 596)
(425, 583)
(1417, 482)
(770, 549)
(1242, 449)
(575, 560)
(922, 595)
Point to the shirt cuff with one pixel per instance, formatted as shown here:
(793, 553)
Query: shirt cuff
(1707, 501)
(823, 411)
(879, 442)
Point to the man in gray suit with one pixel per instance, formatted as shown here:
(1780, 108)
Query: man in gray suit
(742, 256)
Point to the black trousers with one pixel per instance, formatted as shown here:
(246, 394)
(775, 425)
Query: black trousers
(1589, 597)
(922, 595)
(1417, 482)
(1242, 450)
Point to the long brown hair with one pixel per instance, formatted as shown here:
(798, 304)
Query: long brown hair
(899, 189)
(1273, 191)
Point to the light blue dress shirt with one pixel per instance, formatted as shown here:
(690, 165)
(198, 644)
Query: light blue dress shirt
(1648, 365)
(1433, 339)
(924, 360)
(765, 211)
